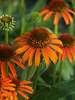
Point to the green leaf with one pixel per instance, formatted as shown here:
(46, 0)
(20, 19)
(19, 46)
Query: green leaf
(28, 73)
(41, 82)
(39, 5)
(65, 69)
(56, 92)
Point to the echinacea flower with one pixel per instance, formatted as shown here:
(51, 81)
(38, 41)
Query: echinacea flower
(37, 44)
(68, 47)
(8, 58)
(6, 88)
(7, 22)
(58, 8)
(10, 88)
(22, 87)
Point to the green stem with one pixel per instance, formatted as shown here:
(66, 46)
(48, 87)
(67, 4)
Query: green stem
(54, 77)
(6, 42)
(56, 29)
(36, 76)
(10, 7)
(6, 37)
(71, 29)
(29, 72)
(22, 13)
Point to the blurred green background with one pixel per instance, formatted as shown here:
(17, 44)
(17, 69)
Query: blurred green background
(26, 15)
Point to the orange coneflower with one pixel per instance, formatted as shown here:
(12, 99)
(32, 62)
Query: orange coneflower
(10, 88)
(6, 89)
(8, 57)
(58, 8)
(37, 44)
(22, 87)
(68, 47)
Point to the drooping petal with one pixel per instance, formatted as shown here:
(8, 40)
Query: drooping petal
(65, 18)
(45, 55)
(37, 57)
(48, 16)
(73, 52)
(56, 18)
(3, 69)
(18, 63)
(69, 16)
(52, 36)
(25, 90)
(31, 57)
(56, 48)
(56, 41)
(26, 55)
(63, 55)
(12, 69)
(52, 55)
(15, 96)
(23, 94)
(69, 54)
(25, 82)
(22, 49)
(9, 88)
(71, 11)
(43, 12)
(27, 87)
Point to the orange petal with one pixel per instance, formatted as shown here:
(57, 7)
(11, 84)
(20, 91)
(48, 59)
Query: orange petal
(43, 12)
(52, 55)
(8, 81)
(15, 96)
(31, 57)
(56, 41)
(69, 54)
(18, 63)
(56, 48)
(45, 55)
(22, 49)
(37, 57)
(25, 90)
(10, 84)
(26, 55)
(71, 11)
(23, 94)
(25, 82)
(53, 36)
(9, 88)
(3, 69)
(48, 15)
(63, 55)
(65, 18)
(12, 69)
(27, 87)
(72, 50)
(69, 16)
(56, 18)
(18, 38)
